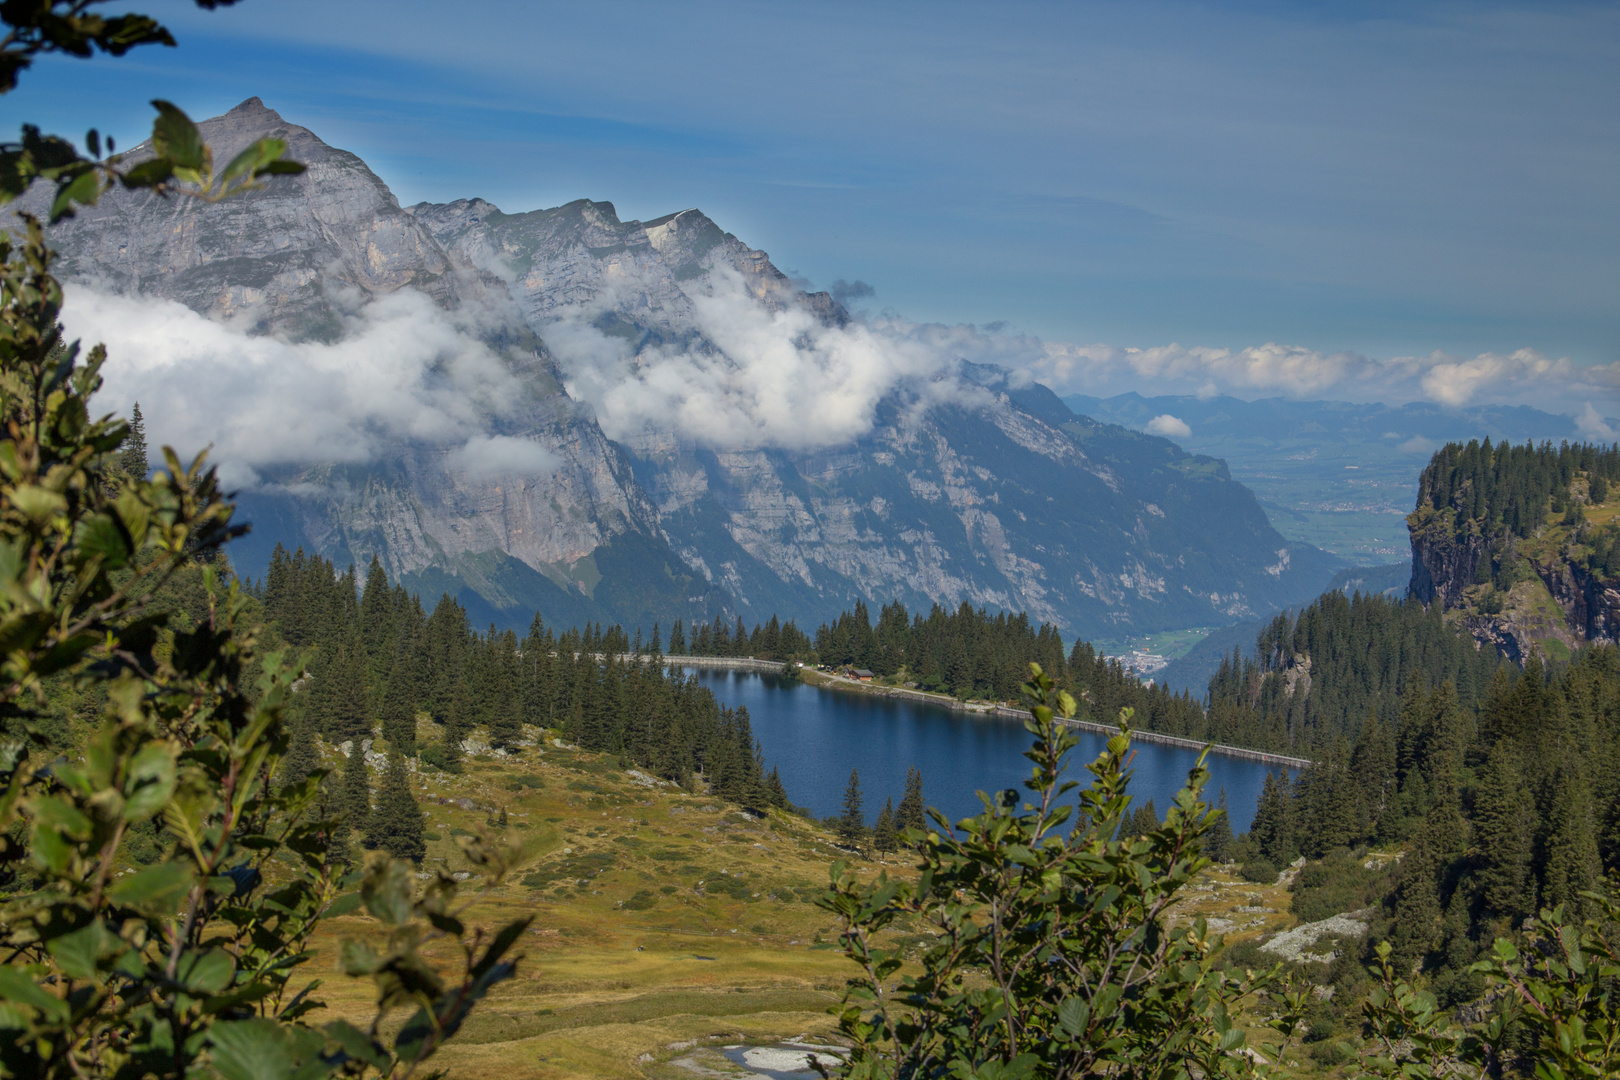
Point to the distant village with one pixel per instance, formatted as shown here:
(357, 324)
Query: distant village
(1145, 664)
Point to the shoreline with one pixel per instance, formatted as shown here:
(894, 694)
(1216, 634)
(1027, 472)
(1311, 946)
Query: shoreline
(838, 682)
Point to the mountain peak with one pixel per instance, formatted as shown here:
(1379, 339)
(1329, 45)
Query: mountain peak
(253, 111)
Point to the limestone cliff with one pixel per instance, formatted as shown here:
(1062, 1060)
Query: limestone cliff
(997, 495)
(1548, 585)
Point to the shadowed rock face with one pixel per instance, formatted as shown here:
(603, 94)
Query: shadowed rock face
(1004, 499)
(290, 258)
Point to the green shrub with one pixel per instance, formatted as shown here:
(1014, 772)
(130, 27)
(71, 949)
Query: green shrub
(524, 780)
(641, 901)
(1039, 912)
(1335, 885)
(1259, 871)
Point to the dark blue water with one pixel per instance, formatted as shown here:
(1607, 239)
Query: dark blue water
(815, 736)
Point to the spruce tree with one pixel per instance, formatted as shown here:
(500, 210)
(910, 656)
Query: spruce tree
(1273, 828)
(912, 813)
(398, 710)
(852, 822)
(884, 838)
(354, 800)
(132, 458)
(1504, 835)
(396, 824)
(1218, 843)
(1573, 866)
(303, 757)
(775, 791)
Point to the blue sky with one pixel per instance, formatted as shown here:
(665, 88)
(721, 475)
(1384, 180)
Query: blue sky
(1388, 180)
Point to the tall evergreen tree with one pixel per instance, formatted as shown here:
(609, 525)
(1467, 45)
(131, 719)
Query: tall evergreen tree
(1573, 866)
(303, 757)
(1218, 844)
(133, 458)
(1273, 827)
(1504, 835)
(354, 799)
(396, 824)
(911, 813)
(884, 839)
(852, 822)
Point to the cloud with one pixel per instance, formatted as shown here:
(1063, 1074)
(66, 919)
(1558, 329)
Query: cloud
(403, 370)
(845, 291)
(1169, 426)
(1417, 444)
(1522, 377)
(1594, 425)
(502, 455)
(750, 377)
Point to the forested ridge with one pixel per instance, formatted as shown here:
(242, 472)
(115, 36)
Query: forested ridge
(378, 657)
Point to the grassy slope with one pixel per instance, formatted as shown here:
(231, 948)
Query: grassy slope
(744, 955)
(608, 990)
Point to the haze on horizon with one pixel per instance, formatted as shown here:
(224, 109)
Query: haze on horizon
(1173, 197)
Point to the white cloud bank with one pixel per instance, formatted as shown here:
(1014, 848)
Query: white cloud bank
(403, 370)
(744, 376)
(752, 377)
(1523, 377)
(1171, 427)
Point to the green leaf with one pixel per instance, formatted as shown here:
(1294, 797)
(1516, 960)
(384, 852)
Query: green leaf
(150, 782)
(17, 987)
(84, 190)
(99, 536)
(208, 972)
(388, 891)
(1073, 1016)
(148, 174)
(356, 1044)
(255, 1049)
(80, 953)
(343, 905)
(176, 138)
(156, 890)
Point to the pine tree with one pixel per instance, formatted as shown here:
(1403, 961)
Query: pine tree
(354, 801)
(775, 791)
(852, 822)
(1273, 828)
(398, 711)
(884, 838)
(1504, 835)
(396, 824)
(912, 813)
(133, 457)
(1219, 841)
(303, 757)
(1573, 866)
(1418, 910)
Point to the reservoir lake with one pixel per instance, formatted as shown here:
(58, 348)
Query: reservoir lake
(815, 736)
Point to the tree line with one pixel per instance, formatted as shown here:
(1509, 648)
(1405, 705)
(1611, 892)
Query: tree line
(381, 664)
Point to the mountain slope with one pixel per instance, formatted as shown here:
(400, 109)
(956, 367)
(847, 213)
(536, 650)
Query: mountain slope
(944, 483)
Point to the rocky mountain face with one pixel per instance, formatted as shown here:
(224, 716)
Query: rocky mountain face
(1550, 592)
(992, 494)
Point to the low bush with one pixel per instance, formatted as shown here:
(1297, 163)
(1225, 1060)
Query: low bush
(1260, 871)
(1335, 885)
